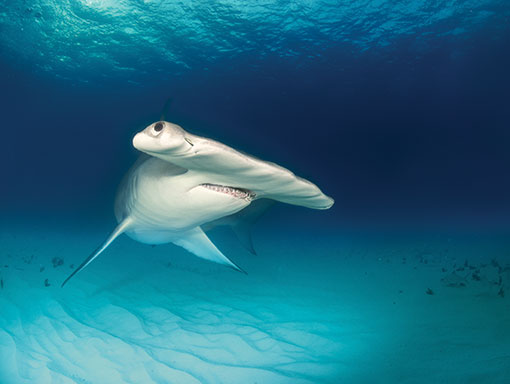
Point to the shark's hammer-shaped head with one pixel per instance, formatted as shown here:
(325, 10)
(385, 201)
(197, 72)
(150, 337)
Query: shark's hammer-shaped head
(162, 138)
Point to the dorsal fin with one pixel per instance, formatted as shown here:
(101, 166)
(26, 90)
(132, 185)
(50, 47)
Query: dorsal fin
(121, 228)
(165, 109)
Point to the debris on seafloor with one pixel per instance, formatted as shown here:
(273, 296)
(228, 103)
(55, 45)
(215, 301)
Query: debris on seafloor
(496, 264)
(454, 280)
(41, 268)
(28, 259)
(46, 283)
(501, 292)
(429, 291)
(57, 261)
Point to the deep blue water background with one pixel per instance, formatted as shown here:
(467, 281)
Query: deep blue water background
(407, 126)
(398, 110)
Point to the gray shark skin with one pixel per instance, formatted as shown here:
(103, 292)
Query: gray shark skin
(183, 182)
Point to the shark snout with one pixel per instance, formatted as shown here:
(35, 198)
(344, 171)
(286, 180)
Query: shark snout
(153, 144)
(137, 141)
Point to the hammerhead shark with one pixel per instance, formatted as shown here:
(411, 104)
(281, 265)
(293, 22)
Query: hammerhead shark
(183, 183)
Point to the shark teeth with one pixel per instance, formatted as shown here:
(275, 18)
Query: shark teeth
(238, 193)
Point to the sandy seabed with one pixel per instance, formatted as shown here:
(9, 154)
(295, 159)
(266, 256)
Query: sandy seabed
(314, 308)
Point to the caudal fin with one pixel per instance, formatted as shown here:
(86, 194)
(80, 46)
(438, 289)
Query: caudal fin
(116, 232)
(243, 221)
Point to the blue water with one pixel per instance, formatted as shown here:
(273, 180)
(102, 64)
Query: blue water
(399, 111)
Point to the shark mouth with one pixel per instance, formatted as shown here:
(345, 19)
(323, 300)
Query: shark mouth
(238, 193)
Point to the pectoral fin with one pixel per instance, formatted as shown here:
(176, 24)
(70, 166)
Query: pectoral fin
(197, 242)
(243, 221)
(116, 232)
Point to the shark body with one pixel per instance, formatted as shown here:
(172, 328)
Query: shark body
(184, 183)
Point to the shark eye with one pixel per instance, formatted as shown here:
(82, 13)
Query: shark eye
(158, 127)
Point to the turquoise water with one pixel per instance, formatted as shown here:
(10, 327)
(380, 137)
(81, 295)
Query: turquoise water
(342, 309)
(85, 40)
(398, 111)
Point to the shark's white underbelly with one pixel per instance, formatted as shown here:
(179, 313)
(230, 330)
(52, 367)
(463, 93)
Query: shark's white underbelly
(183, 181)
(164, 201)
